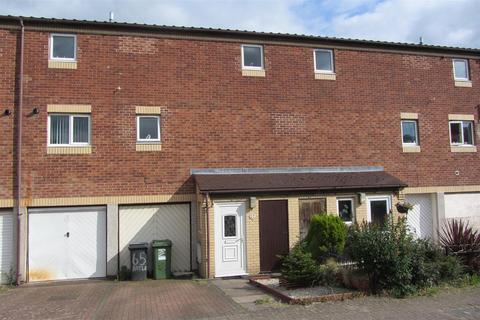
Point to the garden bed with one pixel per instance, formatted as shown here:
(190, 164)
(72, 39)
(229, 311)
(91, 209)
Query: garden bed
(302, 295)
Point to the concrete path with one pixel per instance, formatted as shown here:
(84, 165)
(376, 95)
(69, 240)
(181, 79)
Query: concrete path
(246, 295)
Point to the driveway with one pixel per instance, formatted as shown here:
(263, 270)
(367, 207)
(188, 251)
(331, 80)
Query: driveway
(185, 299)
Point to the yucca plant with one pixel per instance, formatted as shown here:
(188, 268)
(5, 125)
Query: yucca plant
(459, 238)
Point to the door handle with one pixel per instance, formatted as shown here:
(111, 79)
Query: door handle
(67, 234)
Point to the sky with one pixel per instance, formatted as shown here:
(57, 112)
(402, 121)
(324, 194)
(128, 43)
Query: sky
(438, 22)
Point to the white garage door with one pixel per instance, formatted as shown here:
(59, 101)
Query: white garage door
(7, 246)
(144, 223)
(420, 218)
(67, 243)
(464, 206)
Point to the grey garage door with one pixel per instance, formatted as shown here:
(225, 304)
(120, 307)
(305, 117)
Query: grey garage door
(7, 246)
(144, 223)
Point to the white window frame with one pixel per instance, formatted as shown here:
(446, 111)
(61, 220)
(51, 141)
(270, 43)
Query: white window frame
(416, 133)
(50, 46)
(138, 128)
(315, 61)
(378, 198)
(70, 130)
(352, 200)
(462, 144)
(466, 68)
(261, 54)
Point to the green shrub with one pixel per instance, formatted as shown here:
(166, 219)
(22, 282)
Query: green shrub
(299, 267)
(385, 254)
(326, 236)
(450, 268)
(328, 273)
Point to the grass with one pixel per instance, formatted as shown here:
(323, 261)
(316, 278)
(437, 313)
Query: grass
(467, 281)
(266, 300)
(4, 289)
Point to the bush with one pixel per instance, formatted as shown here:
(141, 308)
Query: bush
(328, 273)
(326, 236)
(298, 267)
(398, 263)
(459, 238)
(384, 253)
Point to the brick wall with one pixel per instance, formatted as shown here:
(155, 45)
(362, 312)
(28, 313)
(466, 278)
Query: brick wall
(212, 116)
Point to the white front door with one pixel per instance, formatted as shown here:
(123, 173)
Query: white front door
(378, 209)
(229, 239)
(67, 243)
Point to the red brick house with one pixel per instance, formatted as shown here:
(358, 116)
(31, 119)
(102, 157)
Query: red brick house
(223, 141)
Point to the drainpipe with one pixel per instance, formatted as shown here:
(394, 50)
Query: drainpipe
(19, 150)
(207, 213)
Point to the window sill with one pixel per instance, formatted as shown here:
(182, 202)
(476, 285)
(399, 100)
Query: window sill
(253, 73)
(411, 149)
(148, 147)
(325, 76)
(54, 64)
(463, 83)
(69, 150)
(463, 148)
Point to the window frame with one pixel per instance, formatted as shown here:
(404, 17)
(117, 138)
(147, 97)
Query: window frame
(244, 67)
(352, 200)
(70, 130)
(417, 143)
(138, 128)
(466, 68)
(50, 46)
(461, 122)
(331, 61)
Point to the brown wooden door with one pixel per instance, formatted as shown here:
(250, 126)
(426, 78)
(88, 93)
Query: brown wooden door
(273, 233)
(308, 208)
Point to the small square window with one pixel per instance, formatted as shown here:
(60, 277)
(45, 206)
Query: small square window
(68, 129)
(460, 69)
(148, 128)
(345, 209)
(323, 61)
(461, 133)
(63, 47)
(409, 132)
(252, 57)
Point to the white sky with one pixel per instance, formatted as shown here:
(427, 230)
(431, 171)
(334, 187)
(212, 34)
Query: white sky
(443, 22)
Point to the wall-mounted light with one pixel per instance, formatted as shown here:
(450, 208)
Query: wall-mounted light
(7, 112)
(253, 202)
(362, 197)
(35, 111)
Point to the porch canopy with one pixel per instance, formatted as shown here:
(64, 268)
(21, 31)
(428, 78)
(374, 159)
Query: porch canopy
(294, 179)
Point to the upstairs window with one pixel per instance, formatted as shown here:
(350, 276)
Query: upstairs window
(63, 47)
(252, 57)
(409, 133)
(460, 69)
(68, 130)
(323, 61)
(148, 128)
(461, 133)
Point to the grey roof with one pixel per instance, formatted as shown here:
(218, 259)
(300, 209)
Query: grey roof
(240, 34)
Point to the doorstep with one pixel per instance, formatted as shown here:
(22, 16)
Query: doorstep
(242, 292)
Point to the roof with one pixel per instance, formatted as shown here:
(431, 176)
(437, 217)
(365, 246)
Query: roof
(240, 34)
(310, 181)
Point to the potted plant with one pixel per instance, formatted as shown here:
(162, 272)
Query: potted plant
(404, 207)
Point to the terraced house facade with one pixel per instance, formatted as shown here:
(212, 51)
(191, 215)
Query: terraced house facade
(225, 142)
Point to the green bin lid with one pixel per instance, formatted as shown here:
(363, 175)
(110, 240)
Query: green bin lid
(161, 243)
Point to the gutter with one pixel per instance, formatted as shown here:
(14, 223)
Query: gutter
(19, 149)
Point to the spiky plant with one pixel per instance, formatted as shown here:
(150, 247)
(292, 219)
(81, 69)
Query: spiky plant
(459, 236)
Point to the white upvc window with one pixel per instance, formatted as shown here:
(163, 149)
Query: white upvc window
(68, 130)
(460, 70)
(252, 57)
(323, 61)
(63, 47)
(346, 209)
(461, 133)
(148, 128)
(409, 132)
